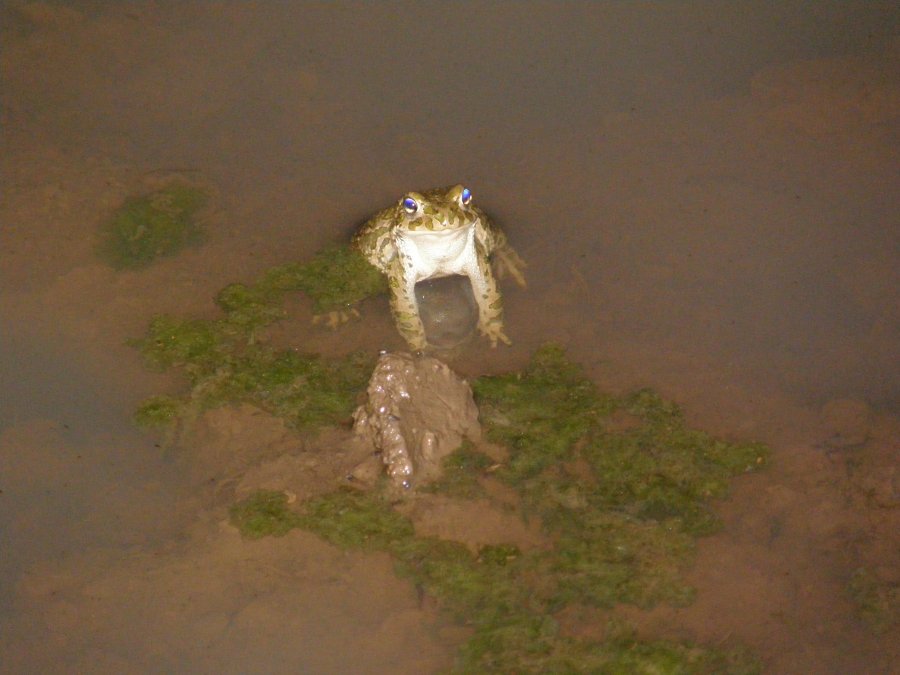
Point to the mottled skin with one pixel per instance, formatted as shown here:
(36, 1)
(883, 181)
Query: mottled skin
(434, 234)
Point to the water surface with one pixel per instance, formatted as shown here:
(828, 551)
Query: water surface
(706, 197)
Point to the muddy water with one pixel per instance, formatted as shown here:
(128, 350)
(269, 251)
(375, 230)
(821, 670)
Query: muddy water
(707, 199)
(73, 467)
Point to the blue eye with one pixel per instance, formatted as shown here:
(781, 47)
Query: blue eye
(466, 196)
(410, 205)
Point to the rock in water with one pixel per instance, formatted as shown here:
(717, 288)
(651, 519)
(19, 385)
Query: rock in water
(418, 412)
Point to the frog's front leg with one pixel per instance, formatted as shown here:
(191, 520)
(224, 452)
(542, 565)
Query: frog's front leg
(405, 309)
(490, 304)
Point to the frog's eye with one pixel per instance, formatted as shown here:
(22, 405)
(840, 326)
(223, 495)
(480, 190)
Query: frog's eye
(410, 205)
(465, 196)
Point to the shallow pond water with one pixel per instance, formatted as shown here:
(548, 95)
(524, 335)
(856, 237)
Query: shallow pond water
(706, 198)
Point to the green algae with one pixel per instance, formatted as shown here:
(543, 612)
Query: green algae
(196, 346)
(265, 513)
(620, 483)
(355, 519)
(657, 469)
(248, 309)
(151, 226)
(877, 601)
(158, 412)
(622, 497)
(534, 645)
(224, 362)
(225, 366)
(539, 413)
(336, 278)
(461, 472)
(495, 591)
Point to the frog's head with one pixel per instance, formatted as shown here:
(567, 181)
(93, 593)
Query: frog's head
(437, 210)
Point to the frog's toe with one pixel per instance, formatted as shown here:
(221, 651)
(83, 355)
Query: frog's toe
(326, 319)
(417, 345)
(508, 262)
(336, 317)
(495, 334)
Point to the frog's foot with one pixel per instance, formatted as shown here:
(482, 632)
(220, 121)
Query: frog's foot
(494, 332)
(406, 318)
(417, 345)
(508, 262)
(336, 317)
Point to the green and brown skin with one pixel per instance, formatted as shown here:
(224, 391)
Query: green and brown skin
(433, 234)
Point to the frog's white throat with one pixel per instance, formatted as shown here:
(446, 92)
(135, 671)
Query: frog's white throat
(426, 254)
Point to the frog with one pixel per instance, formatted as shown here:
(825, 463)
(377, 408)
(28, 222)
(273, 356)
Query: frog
(437, 233)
